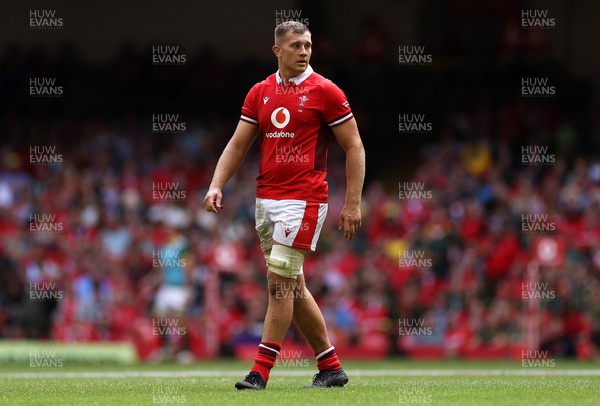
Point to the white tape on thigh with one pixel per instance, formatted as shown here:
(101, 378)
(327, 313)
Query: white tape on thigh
(267, 254)
(285, 261)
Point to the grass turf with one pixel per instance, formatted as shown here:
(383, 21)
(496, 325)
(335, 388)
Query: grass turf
(285, 387)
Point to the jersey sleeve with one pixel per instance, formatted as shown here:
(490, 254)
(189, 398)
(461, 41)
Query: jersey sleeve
(336, 109)
(250, 107)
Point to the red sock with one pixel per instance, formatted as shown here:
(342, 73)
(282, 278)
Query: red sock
(265, 359)
(328, 360)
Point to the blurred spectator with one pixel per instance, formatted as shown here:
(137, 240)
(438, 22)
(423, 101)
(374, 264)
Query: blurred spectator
(468, 229)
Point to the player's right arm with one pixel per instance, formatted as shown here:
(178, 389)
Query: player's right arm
(229, 162)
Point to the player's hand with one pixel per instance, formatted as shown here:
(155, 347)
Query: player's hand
(212, 201)
(350, 220)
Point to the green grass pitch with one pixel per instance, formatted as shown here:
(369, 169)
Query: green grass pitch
(371, 383)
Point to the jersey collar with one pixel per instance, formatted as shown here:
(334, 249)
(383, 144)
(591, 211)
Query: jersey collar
(296, 79)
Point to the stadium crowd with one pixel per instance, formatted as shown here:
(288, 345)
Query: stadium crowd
(106, 223)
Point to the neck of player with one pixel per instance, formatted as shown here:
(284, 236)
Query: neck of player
(286, 75)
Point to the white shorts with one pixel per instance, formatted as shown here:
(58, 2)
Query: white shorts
(294, 223)
(171, 299)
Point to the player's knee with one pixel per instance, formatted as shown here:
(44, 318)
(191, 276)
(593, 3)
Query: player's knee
(285, 261)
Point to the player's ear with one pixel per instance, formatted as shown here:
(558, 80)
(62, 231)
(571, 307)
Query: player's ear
(276, 50)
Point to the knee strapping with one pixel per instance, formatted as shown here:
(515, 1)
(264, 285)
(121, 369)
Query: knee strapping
(285, 261)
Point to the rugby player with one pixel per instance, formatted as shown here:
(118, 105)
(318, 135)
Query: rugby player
(294, 112)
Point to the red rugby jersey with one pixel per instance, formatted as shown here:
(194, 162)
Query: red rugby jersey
(294, 129)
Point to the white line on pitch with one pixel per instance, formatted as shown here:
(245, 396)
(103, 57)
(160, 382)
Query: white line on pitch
(358, 372)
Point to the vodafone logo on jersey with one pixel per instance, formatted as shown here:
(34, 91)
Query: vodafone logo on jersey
(280, 117)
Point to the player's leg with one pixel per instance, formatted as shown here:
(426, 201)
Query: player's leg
(282, 292)
(310, 321)
(267, 351)
(304, 228)
(165, 301)
(284, 264)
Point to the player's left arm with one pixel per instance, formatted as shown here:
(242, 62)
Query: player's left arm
(349, 138)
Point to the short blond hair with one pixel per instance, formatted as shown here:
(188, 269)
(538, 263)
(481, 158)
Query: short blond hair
(287, 26)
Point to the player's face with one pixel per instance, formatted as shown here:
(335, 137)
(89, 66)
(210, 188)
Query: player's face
(294, 53)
